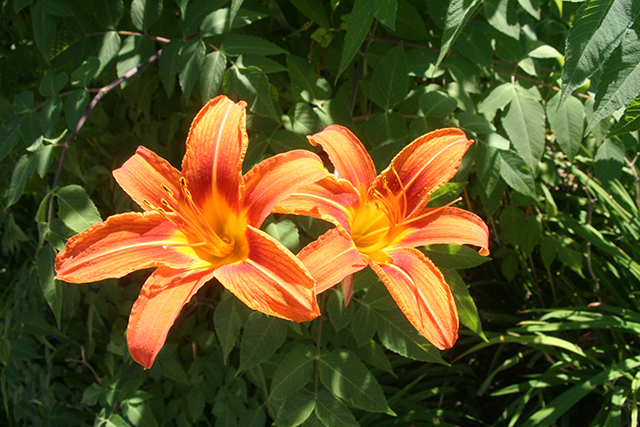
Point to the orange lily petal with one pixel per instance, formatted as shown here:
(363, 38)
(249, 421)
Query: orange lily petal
(144, 174)
(348, 156)
(422, 294)
(330, 258)
(328, 199)
(423, 166)
(122, 244)
(216, 145)
(276, 178)
(272, 280)
(448, 226)
(162, 297)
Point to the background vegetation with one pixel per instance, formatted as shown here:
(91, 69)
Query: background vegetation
(549, 91)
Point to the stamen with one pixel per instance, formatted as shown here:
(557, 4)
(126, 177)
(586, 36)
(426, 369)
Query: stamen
(167, 190)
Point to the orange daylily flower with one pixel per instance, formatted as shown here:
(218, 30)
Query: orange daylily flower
(381, 219)
(199, 224)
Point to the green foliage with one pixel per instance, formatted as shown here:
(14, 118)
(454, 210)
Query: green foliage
(548, 90)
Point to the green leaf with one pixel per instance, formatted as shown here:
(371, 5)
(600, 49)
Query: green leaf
(608, 161)
(390, 79)
(263, 63)
(238, 44)
(217, 22)
(252, 85)
(233, 11)
(285, 232)
(301, 119)
(386, 128)
(140, 413)
(620, 79)
(306, 84)
(194, 14)
(549, 247)
(560, 405)
(44, 29)
(49, 115)
(109, 12)
(437, 104)
(358, 26)
(169, 64)
(333, 412)
(134, 51)
(567, 124)
(598, 28)
(50, 85)
(83, 75)
(347, 378)
(455, 257)
(263, 335)
(398, 335)
(524, 123)
(629, 122)
(458, 14)
(474, 123)
(498, 99)
(502, 16)
(22, 173)
(107, 49)
(293, 373)
(227, 323)
(314, 10)
(338, 314)
(76, 209)
(145, 13)
(211, 75)
(516, 173)
(296, 409)
(18, 5)
(196, 402)
(115, 420)
(385, 12)
(467, 310)
(30, 127)
(364, 324)
(52, 289)
(409, 23)
(75, 106)
(532, 7)
(9, 135)
(475, 44)
(191, 59)
(488, 167)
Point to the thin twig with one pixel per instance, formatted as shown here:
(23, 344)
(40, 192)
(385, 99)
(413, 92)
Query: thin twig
(102, 92)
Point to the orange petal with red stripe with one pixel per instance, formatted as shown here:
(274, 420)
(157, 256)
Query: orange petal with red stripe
(160, 301)
(271, 280)
(422, 294)
(122, 244)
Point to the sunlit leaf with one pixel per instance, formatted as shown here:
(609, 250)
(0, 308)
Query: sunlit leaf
(524, 123)
(516, 173)
(251, 84)
(296, 409)
(333, 412)
(567, 123)
(357, 28)
(598, 28)
(145, 13)
(458, 14)
(620, 79)
(502, 15)
(211, 74)
(398, 335)
(76, 209)
(306, 84)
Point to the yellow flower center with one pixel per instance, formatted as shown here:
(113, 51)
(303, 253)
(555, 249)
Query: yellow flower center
(216, 233)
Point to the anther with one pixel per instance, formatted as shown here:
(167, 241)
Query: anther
(167, 190)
